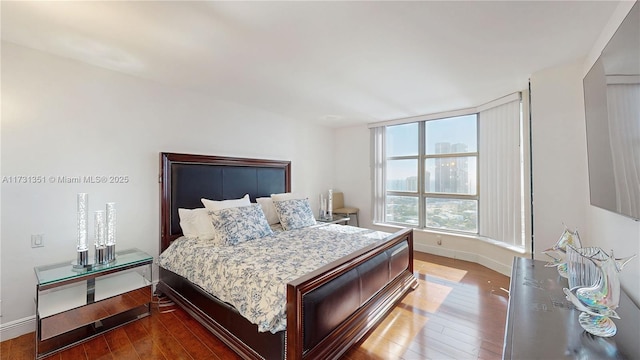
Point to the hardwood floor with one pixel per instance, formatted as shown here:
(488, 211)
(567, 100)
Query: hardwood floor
(458, 312)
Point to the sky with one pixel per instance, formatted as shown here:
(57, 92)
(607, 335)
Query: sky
(403, 140)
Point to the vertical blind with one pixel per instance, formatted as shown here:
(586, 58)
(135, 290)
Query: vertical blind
(378, 167)
(500, 185)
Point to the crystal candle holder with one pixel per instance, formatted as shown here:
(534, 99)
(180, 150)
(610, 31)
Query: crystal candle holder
(83, 205)
(81, 241)
(99, 237)
(111, 232)
(323, 206)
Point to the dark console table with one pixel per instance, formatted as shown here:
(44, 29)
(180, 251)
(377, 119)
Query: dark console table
(542, 324)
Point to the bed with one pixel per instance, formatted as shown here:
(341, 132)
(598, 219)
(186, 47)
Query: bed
(327, 309)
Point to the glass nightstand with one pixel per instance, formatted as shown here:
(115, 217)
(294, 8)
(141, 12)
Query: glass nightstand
(74, 305)
(334, 219)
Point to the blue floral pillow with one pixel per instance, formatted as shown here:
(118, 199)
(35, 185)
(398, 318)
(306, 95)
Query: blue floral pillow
(294, 213)
(239, 224)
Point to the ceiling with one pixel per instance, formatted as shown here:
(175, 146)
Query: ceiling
(335, 63)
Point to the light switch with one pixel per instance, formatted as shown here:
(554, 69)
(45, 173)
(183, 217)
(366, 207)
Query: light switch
(37, 240)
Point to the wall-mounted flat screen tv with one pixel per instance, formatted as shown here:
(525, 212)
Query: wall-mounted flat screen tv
(612, 109)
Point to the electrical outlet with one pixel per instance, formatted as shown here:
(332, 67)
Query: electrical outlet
(37, 240)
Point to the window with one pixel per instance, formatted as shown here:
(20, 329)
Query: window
(463, 173)
(402, 174)
(440, 156)
(450, 175)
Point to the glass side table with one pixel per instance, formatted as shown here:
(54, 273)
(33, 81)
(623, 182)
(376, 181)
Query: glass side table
(334, 219)
(74, 305)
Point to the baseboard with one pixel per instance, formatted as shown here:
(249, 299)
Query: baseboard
(16, 328)
(467, 256)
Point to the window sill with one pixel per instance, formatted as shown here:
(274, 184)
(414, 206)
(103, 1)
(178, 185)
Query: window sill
(484, 239)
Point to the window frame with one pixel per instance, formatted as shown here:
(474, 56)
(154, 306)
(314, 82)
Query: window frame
(421, 194)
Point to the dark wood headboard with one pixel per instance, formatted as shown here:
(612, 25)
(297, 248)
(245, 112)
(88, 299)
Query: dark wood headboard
(185, 179)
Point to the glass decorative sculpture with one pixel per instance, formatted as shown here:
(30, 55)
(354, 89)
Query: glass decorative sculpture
(580, 269)
(558, 251)
(594, 287)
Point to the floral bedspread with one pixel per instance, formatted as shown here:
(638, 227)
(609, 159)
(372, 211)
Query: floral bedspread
(252, 275)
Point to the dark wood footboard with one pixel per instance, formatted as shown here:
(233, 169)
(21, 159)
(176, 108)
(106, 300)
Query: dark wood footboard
(349, 282)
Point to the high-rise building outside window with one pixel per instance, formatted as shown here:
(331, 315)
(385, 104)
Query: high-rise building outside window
(431, 170)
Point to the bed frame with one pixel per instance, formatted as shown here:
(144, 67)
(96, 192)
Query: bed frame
(328, 310)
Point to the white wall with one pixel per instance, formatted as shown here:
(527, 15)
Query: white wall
(65, 118)
(615, 232)
(561, 182)
(351, 169)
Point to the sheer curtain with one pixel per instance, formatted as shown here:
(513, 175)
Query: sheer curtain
(500, 174)
(623, 102)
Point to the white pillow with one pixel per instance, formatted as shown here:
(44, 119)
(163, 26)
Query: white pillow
(196, 223)
(268, 209)
(213, 205)
(287, 196)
